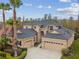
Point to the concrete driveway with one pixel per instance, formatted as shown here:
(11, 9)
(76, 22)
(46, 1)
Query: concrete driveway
(39, 53)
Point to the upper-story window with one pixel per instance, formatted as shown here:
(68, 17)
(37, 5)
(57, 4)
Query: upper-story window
(51, 27)
(59, 27)
(41, 26)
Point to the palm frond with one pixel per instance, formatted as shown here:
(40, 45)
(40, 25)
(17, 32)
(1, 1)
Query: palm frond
(16, 3)
(1, 5)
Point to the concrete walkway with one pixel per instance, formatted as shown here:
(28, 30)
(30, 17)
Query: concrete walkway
(39, 53)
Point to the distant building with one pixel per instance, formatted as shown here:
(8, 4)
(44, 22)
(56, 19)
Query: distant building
(45, 16)
(49, 17)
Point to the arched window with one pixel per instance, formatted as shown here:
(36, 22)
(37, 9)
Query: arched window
(41, 26)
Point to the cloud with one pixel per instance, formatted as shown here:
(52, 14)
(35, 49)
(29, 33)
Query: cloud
(7, 11)
(28, 4)
(65, 0)
(73, 9)
(49, 6)
(40, 6)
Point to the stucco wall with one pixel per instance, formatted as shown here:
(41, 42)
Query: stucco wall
(27, 42)
(70, 40)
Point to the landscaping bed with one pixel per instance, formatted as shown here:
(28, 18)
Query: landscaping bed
(5, 55)
(76, 51)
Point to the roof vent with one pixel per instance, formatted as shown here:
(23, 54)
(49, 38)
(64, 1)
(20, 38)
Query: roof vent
(18, 31)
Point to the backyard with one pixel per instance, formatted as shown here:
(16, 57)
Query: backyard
(76, 50)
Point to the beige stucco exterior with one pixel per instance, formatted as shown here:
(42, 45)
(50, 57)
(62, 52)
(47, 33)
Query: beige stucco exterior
(27, 42)
(56, 44)
(70, 41)
(47, 43)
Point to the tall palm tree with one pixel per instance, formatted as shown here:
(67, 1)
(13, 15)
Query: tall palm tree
(15, 4)
(4, 7)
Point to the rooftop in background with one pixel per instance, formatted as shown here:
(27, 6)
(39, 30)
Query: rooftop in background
(42, 22)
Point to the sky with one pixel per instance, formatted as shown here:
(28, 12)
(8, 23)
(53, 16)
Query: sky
(37, 8)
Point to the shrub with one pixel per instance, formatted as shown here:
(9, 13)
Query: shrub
(65, 52)
(68, 52)
(23, 54)
(8, 56)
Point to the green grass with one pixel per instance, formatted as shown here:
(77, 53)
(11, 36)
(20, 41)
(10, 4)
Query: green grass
(76, 49)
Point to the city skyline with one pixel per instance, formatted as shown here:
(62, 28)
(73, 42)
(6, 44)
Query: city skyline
(37, 8)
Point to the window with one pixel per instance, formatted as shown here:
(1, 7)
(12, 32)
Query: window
(59, 27)
(51, 27)
(54, 43)
(41, 26)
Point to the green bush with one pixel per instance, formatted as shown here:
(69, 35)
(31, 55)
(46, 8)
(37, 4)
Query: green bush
(65, 52)
(23, 54)
(8, 56)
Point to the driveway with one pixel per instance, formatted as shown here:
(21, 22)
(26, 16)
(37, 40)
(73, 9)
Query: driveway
(39, 53)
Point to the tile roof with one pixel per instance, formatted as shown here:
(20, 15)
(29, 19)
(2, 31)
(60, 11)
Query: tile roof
(26, 33)
(64, 34)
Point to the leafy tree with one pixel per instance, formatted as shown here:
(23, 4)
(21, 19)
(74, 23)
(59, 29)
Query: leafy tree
(10, 22)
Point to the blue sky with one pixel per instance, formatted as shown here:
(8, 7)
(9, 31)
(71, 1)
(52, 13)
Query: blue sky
(37, 8)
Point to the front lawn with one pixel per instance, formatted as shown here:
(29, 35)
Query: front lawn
(76, 50)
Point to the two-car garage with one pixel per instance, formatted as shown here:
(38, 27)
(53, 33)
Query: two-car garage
(54, 44)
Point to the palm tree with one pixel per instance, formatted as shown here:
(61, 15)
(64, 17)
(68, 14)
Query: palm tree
(4, 7)
(15, 4)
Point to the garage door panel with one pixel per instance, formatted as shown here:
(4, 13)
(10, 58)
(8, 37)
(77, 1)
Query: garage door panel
(53, 46)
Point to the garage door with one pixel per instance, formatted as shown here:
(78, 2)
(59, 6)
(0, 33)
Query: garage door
(53, 45)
